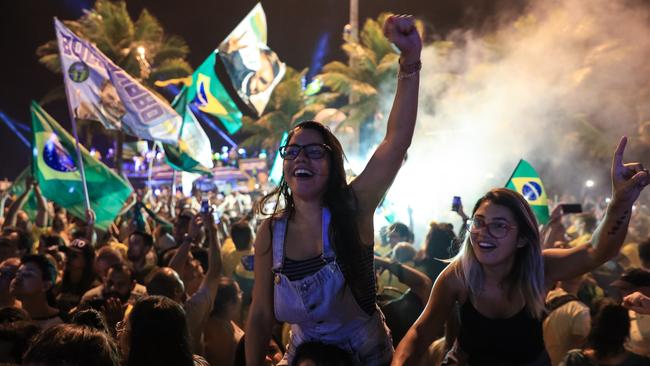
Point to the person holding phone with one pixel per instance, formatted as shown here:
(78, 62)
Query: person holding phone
(501, 276)
(314, 256)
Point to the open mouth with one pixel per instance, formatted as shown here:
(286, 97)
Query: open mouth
(486, 246)
(303, 173)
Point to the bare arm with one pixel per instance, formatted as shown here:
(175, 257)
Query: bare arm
(430, 325)
(211, 279)
(41, 215)
(261, 316)
(628, 180)
(371, 185)
(419, 283)
(17, 205)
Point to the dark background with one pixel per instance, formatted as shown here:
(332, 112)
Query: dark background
(294, 27)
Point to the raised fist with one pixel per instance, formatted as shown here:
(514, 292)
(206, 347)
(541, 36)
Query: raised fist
(400, 29)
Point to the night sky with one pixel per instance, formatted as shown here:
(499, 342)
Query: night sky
(294, 26)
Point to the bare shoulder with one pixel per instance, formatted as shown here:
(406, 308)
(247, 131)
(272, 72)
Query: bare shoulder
(451, 282)
(263, 236)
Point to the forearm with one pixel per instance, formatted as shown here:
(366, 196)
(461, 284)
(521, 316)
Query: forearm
(419, 283)
(258, 334)
(410, 349)
(610, 234)
(177, 263)
(401, 121)
(214, 260)
(12, 214)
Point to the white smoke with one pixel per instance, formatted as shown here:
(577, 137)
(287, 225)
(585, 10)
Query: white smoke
(566, 75)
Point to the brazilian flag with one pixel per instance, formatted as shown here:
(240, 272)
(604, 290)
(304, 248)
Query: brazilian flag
(527, 182)
(56, 170)
(211, 97)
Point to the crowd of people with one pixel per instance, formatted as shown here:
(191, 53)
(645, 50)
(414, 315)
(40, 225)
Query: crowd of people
(300, 276)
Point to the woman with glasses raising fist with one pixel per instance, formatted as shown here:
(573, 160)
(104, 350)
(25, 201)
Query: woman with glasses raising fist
(501, 276)
(314, 256)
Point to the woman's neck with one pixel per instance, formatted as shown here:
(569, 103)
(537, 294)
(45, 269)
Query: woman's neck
(496, 275)
(307, 209)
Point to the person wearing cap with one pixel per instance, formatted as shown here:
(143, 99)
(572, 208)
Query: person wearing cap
(33, 286)
(632, 281)
(78, 274)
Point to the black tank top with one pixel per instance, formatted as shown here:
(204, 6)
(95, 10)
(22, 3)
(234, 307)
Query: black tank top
(511, 341)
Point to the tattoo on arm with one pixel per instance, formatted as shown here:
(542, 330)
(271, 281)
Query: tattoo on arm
(619, 223)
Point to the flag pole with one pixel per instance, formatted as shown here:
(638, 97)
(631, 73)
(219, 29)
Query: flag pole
(150, 170)
(80, 162)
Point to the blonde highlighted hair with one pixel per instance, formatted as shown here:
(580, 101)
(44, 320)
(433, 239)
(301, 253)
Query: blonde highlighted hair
(526, 278)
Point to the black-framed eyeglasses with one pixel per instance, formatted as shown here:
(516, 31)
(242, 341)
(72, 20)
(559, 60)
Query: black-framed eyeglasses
(497, 229)
(313, 151)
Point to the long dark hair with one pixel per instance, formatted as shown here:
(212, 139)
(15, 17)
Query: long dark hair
(338, 197)
(88, 276)
(158, 334)
(609, 329)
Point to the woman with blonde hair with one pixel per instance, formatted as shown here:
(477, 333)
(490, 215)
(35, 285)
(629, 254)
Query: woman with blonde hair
(500, 277)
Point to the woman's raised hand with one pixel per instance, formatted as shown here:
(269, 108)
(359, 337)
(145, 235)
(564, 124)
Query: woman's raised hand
(628, 180)
(400, 29)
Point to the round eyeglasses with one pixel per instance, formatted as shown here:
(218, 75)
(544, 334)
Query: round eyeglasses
(313, 151)
(497, 229)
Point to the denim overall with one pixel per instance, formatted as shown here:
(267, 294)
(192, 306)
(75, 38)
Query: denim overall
(322, 308)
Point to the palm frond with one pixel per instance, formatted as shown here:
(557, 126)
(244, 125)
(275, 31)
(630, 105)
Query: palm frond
(170, 69)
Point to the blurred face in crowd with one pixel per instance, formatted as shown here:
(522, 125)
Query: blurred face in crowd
(118, 284)
(137, 250)
(8, 270)
(75, 259)
(103, 263)
(29, 281)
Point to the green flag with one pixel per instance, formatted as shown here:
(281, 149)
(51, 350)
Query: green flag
(56, 171)
(211, 97)
(527, 182)
(194, 151)
(18, 187)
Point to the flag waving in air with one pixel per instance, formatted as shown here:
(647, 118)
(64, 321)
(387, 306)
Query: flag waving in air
(253, 68)
(57, 173)
(100, 90)
(527, 182)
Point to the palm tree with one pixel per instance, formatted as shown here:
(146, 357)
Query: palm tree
(140, 47)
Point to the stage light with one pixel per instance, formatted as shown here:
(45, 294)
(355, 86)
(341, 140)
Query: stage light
(590, 183)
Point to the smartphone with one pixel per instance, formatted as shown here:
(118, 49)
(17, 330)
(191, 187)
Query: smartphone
(455, 204)
(571, 208)
(248, 262)
(205, 206)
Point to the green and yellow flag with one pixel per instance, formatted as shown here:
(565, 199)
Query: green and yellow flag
(527, 182)
(55, 169)
(194, 151)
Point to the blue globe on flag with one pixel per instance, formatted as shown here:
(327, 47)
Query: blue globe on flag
(531, 191)
(78, 72)
(57, 157)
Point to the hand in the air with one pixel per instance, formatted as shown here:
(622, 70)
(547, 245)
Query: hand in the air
(400, 29)
(628, 180)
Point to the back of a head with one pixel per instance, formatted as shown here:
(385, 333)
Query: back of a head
(319, 354)
(439, 240)
(404, 252)
(90, 318)
(158, 333)
(228, 294)
(402, 231)
(242, 235)
(15, 338)
(609, 330)
(72, 345)
(165, 282)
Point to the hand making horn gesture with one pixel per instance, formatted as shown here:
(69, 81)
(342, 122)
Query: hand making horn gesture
(400, 29)
(628, 180)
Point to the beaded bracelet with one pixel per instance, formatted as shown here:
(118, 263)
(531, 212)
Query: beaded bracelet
(408, 70)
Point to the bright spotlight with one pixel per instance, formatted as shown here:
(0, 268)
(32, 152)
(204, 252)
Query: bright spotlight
(590, 183)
